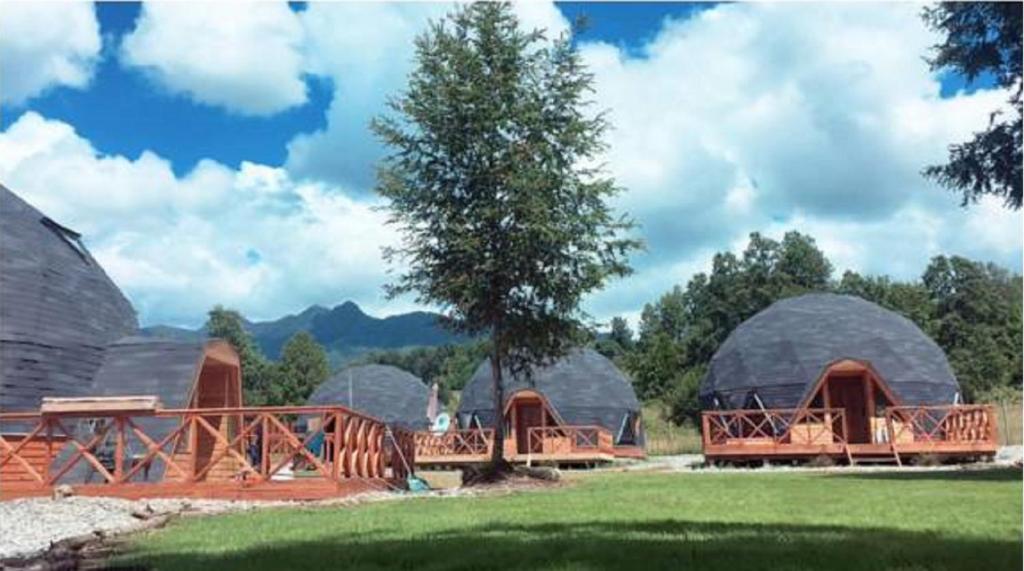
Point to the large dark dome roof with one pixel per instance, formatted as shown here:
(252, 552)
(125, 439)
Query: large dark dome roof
(381, 391)
(58, 308)
(584, 388)
(782, 351)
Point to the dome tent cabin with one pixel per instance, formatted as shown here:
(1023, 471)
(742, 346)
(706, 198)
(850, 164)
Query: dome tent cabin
(65, 337)
(388, 393)
(579, 409)
(835, 375)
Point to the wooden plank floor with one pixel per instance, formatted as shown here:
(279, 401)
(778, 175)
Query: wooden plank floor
(757, 450)
(298, 490)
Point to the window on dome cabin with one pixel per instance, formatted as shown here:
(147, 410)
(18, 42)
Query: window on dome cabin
(70, 237)
(627, 430)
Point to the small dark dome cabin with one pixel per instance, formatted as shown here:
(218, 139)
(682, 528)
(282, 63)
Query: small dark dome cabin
(66, 349)
(386, 393)
(579, 409)
(835, 375)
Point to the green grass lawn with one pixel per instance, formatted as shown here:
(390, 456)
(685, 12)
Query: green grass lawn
(735, 521)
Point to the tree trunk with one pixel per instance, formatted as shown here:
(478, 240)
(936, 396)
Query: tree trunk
(498, 398)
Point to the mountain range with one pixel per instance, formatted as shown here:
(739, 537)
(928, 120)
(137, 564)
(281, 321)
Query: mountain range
(345, 331)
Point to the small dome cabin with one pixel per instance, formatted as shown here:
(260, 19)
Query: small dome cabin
(67, 351)
(579, 408)
(386, 393)
(834, 374)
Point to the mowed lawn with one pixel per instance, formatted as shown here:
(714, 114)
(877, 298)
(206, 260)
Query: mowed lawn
(736, 521)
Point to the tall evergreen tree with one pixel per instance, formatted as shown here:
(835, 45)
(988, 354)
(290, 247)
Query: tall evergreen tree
(983, 39)
(492, 180)
(257, 372)
(302, 368)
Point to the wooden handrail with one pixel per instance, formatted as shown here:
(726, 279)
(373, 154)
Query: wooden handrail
(932, 425)
(347, 444)
(823, 425)
(569, 439)
(464, 442)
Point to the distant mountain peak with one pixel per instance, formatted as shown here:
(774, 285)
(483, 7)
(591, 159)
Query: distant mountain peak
(344, 330)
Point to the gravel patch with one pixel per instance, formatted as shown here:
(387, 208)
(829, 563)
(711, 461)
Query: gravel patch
(30, 525)
(1007, 456)
(1010, 455)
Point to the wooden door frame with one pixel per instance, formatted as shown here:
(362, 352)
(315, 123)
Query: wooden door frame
(509, 414)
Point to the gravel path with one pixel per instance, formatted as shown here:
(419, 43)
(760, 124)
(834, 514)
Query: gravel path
(30, 525)
(1007, 455)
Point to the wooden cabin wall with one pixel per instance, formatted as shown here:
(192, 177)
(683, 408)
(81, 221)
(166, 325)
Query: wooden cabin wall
(219, 386)
(38, 454)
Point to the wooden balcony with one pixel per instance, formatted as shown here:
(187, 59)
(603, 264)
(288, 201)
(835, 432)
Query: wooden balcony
(558, 444)
(455, 447)
(960, 430)
(567, 444)
(241, 452)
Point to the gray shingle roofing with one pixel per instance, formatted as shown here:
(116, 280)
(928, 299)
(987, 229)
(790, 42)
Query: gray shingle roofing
(584, 388)
(144, 366)
(381, 391)
(148, 366)
(782, 351)
(58, 309)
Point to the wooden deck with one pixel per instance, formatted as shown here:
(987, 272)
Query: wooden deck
(231, 453)
(955, 431)
(545, 444)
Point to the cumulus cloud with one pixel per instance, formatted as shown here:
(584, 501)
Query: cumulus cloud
(45, 45)
(763, 117)
(246, 58)
(251, 238)
(367, 51)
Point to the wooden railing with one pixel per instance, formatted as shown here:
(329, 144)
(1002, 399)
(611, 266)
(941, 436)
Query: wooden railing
(455, 444)
(953, 429)
(568, 441)
(246, 445)
(941, 427)
(775, 427)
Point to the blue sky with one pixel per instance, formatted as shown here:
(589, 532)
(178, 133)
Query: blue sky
(221, 155)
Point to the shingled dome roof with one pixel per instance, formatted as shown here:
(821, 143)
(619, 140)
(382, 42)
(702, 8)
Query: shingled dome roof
(381, 391)
(584, 388)
(58, 308)
(780, 353)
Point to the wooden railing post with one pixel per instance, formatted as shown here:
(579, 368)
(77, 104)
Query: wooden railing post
(119, 448)
(336, 453)
(193, 447)
(49, 450)
(264, 446)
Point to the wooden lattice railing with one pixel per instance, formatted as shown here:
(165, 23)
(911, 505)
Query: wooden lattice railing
(455, 443)
(941, 425)
(245, 445)
(570, 440)
(807, 427)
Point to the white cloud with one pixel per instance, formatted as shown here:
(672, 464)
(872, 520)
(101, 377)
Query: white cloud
(541, 15)
(246, 58)
(45, 45)
(367, 50)
(250, 238)
(763, 117)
